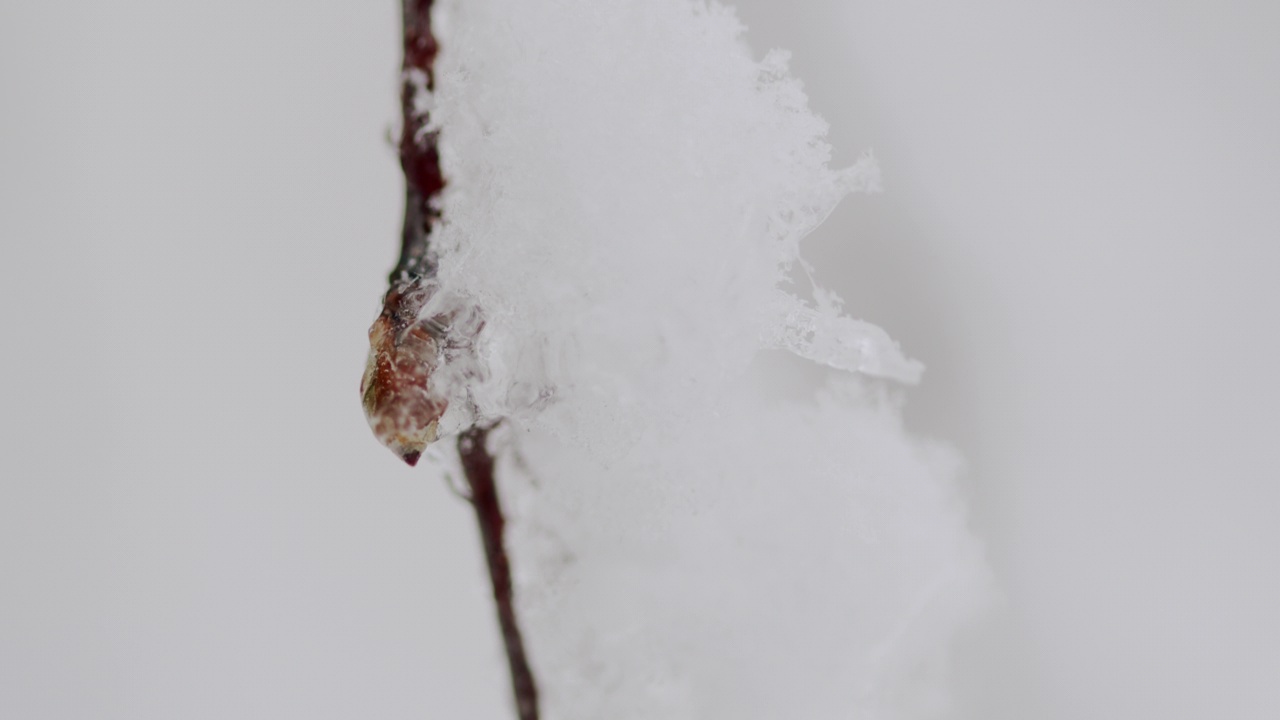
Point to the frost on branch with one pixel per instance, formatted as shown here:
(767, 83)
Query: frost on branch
(628, 191)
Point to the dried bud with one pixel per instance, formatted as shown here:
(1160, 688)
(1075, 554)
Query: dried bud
(404, 351)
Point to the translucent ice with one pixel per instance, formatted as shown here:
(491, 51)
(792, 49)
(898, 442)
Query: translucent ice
(825, 336)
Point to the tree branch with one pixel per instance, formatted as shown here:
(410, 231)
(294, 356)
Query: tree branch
(403, 410)
(477, 464)
(419, 152)
(398, 396)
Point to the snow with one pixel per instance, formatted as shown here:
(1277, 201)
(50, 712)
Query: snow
(628, 191)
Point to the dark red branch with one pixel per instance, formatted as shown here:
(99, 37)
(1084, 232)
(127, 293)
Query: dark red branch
(477, 464)
(402, 408)
(399, 400)
(419, 154)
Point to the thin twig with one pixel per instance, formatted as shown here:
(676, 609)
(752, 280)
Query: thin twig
(401, 402)
(404, 350)
(477, 463)
(419, 152)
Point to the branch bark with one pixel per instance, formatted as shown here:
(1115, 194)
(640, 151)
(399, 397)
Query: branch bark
(398, 397)
(477, 464)
(419, 151)
(403, 409)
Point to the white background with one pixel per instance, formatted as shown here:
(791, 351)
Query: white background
(1079, 235)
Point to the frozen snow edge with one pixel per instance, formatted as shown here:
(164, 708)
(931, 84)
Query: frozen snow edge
(829, 338)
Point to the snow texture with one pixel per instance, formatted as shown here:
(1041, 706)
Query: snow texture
(628, 189)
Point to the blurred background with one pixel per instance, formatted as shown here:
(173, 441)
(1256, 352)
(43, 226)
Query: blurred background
(1079, 235)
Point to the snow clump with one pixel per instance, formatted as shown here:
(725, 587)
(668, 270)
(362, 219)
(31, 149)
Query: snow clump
(628, 191)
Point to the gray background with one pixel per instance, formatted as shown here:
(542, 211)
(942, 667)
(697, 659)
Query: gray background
(1078, 235)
